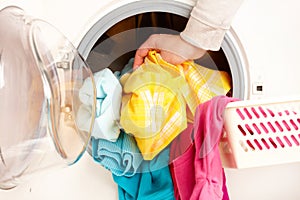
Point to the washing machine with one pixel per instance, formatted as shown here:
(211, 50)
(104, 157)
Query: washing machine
(260, 52)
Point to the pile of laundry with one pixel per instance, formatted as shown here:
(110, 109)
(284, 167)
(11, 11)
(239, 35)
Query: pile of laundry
(157, 129)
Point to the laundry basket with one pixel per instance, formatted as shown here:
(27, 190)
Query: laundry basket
(261, 133)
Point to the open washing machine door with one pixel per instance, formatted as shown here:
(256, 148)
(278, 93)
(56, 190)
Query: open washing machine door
(59, 72)
(40, 77)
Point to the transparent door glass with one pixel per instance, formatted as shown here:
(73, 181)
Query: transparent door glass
(41, 73)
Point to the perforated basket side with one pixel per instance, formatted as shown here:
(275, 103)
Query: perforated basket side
(261, 134)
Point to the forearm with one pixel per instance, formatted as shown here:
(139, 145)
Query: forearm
(208, 22)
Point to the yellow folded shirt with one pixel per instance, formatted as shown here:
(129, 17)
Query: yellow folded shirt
(153, 110)
(159, 98)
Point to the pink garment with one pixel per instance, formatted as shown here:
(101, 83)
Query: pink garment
(198, 173)
(182, 142)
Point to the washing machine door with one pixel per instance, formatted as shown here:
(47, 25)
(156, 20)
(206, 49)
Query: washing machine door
(41, 74)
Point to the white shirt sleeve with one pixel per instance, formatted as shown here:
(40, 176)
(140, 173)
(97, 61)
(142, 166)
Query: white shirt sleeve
(208, 22)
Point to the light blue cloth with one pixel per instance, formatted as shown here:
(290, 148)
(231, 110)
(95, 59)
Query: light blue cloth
(108, 103)
(122, 157)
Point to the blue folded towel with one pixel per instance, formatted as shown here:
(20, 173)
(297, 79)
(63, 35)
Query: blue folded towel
(137, 179)
(122, 157)
(154, 182)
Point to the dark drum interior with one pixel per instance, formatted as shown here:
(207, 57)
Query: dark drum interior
(119, 43)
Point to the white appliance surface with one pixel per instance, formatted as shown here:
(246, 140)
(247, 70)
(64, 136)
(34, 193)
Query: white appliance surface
(269, 33)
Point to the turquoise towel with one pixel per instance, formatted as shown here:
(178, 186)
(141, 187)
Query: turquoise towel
(122, 157)
(154, 182)
(137, 179)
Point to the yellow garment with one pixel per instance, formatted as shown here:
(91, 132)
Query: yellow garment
(205, 83)
(153, 110)
(159, 98)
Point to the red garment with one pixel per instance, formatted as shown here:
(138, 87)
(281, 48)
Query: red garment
(198, 173)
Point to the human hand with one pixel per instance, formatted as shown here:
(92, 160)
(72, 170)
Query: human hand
(172, 49)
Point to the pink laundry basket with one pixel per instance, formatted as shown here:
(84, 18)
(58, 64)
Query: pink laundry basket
(261, 133)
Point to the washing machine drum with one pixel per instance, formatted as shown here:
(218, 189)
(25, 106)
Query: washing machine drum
(40, 77)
